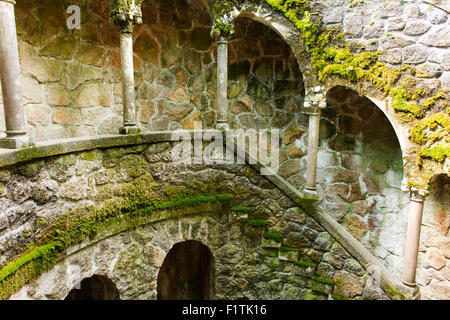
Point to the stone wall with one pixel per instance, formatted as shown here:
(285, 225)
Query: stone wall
(72, 84)
(433, 274)
(406, 32)
(72, 88)
(264, 246)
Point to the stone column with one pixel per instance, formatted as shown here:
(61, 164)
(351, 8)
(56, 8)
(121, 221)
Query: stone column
(125, 14)
(314, 101)
(313, 148)
(222, 83)
(11, 81)
(412, 238)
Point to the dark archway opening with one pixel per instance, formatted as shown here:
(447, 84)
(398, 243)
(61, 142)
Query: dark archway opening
(187, 273)
(95, 288)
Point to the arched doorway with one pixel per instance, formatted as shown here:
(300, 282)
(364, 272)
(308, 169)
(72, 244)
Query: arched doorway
(187, 273)
(94, 288)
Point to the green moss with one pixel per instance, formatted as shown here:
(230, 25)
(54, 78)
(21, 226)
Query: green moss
(93, 155)
(306, 264)
(438, 152)
(71, 229)
(339, 297)
(401, 105)
(47, 250)
(307, 204)
(223, 23)
(277, 236)
(257, 223)
(394, 293)
(324, 280)
(241, 209)
(288, 249)
(29, 153)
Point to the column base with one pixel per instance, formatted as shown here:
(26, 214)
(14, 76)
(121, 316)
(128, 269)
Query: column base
(16, 142)
(310, 192)
(412, 291)
(129, 130)
(222, 126)
(409, 284)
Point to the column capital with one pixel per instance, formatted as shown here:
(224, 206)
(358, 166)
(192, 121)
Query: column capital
(125, 14)
(315, 98)
(224, 14)
(417, 195)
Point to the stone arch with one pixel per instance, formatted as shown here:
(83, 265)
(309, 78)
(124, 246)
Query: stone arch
(361, 171)
(187, 272)
(285, 29)
(265, 84)
(97, 287)
(353, 97)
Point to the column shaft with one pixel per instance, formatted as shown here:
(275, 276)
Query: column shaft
(313, 147)
(222, 83)
(11, 80)
(412, 239)
(129, 106)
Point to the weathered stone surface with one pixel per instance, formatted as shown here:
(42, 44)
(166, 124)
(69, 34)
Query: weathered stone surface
(91, 54)
(350, 284)
(435, 259)
(178, 111)
(181, 76)
(147, 47)
(292, 133)
(67, 116)
(374, 31)
(38, 114)
(414, 54)
(46, 69)
(93, 116)
(91, 95)
(62, 47)
(289, 168)
(394, 41)
(57, 96)
(437, 37)
(355, 226)
(33, 91)
(395, 24)
(179, 95)
(416, 27)
(428, 70)
(78, 73)
(353, 25)
(337, 192)
(189, 122)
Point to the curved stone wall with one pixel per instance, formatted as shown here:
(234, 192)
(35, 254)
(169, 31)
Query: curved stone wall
(72, 88)
(129, 205)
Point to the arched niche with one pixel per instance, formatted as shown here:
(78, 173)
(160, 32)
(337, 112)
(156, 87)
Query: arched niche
(360, 171)
(187, 273)
(97, 287)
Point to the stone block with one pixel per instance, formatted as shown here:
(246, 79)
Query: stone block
(66, 116)
(416, 27)
(269, 243)
(287, 255)
(57, 95)
(414, 54)
(32, 92)
(38, 114)
(437, 37)
(91, 95)
(46, 69)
